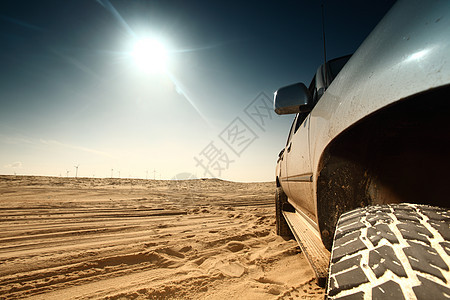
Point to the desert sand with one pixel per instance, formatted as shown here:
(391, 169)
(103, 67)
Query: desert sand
(67, 238)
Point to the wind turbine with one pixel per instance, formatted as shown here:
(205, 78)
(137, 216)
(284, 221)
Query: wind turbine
(76, 170)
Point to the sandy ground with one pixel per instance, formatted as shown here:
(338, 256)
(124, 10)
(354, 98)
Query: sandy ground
(66, 238)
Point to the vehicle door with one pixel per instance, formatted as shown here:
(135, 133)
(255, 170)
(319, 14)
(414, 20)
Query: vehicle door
(299, 166)
(299, 171)
(298, 155)
(283, 161)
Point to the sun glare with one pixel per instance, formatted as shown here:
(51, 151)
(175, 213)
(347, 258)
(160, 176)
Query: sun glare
(150, 55)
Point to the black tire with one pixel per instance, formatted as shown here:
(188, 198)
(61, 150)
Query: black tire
(398, 251)
(282, 226)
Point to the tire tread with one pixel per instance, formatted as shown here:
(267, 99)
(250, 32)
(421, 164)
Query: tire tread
(397, 251)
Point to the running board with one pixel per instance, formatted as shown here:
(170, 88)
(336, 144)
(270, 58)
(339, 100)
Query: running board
(311, 244)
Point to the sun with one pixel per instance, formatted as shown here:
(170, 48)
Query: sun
(150, 55)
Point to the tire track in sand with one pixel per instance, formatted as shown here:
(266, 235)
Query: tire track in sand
(102, 238)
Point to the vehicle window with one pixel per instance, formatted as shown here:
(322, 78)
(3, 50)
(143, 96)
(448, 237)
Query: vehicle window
(336, 65)
(300, 118)
(291, 131)
(333, 67)
(312, 89)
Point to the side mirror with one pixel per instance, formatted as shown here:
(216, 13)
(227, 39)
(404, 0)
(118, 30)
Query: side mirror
(292, 99)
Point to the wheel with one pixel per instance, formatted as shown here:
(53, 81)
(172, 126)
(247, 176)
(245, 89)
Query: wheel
(282, 226)
(398, 251)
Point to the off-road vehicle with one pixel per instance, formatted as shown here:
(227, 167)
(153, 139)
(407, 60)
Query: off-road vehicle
(363, 181)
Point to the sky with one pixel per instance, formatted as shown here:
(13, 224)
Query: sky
(73, 92)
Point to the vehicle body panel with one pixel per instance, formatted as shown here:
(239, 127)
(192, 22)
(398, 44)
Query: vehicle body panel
(412, 40)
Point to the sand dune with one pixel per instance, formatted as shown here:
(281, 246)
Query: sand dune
(66, 238)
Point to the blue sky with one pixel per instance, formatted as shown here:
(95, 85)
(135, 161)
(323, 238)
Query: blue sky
(71, 93)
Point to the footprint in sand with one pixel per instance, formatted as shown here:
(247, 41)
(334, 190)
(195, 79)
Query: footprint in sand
(234, 246)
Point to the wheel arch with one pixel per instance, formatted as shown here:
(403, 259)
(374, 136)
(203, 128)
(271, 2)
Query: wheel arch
(393, 155)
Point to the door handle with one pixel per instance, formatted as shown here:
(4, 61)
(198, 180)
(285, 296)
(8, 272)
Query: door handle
(289, 147)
